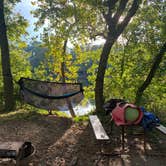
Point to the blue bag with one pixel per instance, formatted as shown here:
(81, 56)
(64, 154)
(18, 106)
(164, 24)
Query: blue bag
(149, 120)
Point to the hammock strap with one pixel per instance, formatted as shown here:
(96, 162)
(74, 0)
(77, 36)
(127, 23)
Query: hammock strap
(22, 87)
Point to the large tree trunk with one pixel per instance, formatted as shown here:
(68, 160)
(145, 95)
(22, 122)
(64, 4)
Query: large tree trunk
(6, 69)
(151, 74)
(99, 98)
(115, 29)
(64, 80)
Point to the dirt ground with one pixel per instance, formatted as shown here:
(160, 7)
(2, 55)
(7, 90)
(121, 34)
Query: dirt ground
(59, 141)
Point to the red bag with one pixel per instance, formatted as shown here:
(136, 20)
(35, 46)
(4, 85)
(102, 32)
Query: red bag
(118, 114)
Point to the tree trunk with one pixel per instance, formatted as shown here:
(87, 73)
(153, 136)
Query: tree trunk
(6, 69)
(151, 74)
(99, 98)
(115, 29)
(64, 80)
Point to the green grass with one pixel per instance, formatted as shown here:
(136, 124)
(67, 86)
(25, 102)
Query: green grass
(18, 115)
(27, 113)
(58, 113)
(81, 118)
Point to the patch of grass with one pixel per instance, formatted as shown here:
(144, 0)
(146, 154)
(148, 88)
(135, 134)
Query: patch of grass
(42, 112)
(61, 114)
(81, 118)
(18, 115)
(28, 113)
(58, 113)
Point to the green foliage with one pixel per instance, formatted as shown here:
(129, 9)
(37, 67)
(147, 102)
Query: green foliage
(148, 27)
(50, 66)
(16, 28)
(80, 119)
(93, 59)
(69, 17)
(131, 59)
(78, 21)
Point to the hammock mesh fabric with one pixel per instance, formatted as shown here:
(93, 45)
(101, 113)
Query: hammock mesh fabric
(50, 95)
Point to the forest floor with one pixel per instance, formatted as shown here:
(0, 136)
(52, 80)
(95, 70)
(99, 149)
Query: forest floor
(59, 141)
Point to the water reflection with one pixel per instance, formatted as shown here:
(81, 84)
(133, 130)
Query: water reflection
(82, 109)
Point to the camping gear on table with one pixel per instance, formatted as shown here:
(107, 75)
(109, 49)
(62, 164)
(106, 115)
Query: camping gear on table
(149, 120)
(126, 114)
(111, 104)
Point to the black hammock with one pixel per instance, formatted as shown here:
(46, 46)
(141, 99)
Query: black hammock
(50, 95)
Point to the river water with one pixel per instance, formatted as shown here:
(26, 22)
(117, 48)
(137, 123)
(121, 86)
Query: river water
(82, 110)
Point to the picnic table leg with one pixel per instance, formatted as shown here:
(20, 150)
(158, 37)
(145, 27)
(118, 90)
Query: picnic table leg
(17, 162)
(122, 138)
(144, 140)
(112, 124)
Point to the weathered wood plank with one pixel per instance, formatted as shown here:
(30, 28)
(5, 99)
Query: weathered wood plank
(98, 129)
(161, 128)
(11, 145)
(10, 149)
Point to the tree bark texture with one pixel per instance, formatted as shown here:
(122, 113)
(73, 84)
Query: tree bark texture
(99, 97)
(5, 58)
(151, 74)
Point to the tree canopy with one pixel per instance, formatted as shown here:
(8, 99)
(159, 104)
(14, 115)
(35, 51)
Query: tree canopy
(130, 64)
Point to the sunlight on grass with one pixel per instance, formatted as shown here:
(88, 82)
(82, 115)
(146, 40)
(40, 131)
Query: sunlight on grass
(18, 114)
(28, 113)
(81, 118)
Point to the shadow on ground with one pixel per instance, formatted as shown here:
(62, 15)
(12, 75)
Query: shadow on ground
(61, 142)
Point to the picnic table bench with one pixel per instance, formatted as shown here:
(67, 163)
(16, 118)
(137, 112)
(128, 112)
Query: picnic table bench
(98, 129)
(161, 128)
(16, 150)
(101, 134)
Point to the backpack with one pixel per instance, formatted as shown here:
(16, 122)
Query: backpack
(149, 120)
(119, 114)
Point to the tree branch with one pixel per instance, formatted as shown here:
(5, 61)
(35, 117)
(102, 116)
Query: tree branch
(151, 74)
(120, 10)
(111, 5)
(108, 16)
(129, 15)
